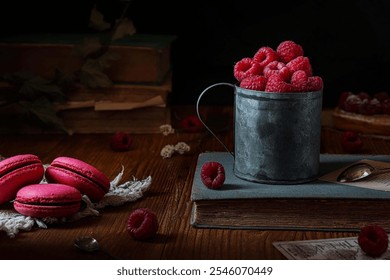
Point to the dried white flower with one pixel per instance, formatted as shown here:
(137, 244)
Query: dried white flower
(182, 147)
(166, 129)
(167, 151)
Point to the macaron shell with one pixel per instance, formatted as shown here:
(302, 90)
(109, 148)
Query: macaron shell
(45, 211)
(85, 186)
(14, 162)
(79, 174)
(47, 200)
(17, 172)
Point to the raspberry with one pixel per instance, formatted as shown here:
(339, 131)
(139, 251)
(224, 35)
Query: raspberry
(381, 95)
(343, 96)
(288, 50)
(254, 83)
(300, 63)
(315, 83)
(386, 106)
(300, 80)
(371, 107)
(303, 83)
(276, 84)
(246, 67)
(191, 123)
(121, 142)
(352, 104)
(264, 56)
(142, 224)
(373, 240)
(277, 67)
(212, 174)
(351, 142)
(364, 96)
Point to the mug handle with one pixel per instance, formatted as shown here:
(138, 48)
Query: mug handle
(200, 118)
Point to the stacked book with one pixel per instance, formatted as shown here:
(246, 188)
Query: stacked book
(138, 71)
(320, 205)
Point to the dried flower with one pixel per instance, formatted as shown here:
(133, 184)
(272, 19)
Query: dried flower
(182, 147)
(167, 151)
(167, 129)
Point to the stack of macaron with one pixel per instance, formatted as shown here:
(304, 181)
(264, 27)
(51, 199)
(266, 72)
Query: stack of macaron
(67, 180)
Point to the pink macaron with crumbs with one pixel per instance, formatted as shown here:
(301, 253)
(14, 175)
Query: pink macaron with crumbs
(79, 174)
(47, 200)
(17, 172)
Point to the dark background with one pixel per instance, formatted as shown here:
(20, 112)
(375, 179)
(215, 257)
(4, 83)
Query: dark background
(347, 41)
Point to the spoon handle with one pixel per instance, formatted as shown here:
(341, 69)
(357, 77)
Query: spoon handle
(109, 255)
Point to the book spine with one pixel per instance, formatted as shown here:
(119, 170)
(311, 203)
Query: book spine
(132, 64)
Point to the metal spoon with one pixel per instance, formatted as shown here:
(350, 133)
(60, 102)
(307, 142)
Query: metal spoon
(90, 244)
(359, 171)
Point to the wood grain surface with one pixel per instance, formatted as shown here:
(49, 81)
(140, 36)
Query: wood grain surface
(168, 197)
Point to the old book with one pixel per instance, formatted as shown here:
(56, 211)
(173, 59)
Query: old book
(133, 108)
(378, 124)
(120, 96)
(141, 120)
(140, 58)
(318, 205)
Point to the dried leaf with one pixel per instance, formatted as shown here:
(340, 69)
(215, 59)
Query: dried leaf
(67, 81)
(18, 78)
(42, 109)
(125, 28)
(88, 46)
(37, 87)
(92, 76)
(97, 22)
(105, 60)
(91, 73)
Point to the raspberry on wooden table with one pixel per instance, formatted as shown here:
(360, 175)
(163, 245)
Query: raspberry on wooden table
(142, 224)
(191, 123)
(373, 240)
(121, 141)
(351, 142)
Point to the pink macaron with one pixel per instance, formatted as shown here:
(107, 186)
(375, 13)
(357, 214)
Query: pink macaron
(17, 172)
(79, 174)
(47, 200)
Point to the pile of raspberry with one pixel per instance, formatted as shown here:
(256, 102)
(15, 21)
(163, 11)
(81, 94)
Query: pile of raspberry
(364, 103)
(285, 69)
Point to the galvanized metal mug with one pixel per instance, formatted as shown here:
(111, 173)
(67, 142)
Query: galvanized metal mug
(277, 136)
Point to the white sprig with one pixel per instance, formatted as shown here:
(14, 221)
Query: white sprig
(167, 129)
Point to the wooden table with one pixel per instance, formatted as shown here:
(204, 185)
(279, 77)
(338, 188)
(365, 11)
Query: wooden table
(168, 196)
